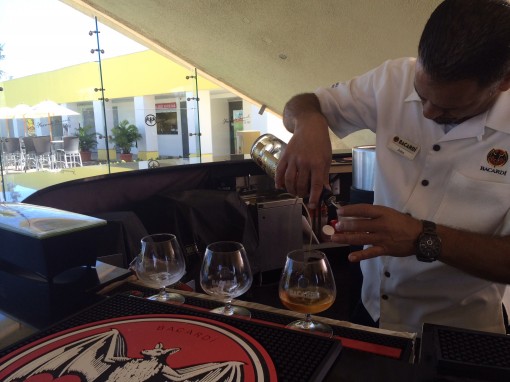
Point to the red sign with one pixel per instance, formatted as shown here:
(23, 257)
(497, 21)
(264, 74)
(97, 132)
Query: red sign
(168, 105)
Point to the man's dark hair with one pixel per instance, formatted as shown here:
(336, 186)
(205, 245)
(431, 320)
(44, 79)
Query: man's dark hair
(467, 39)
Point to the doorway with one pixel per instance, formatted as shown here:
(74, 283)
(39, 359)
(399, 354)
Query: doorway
(235, 113)
(184, 126)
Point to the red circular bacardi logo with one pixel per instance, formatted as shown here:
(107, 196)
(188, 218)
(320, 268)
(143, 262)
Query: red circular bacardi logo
(142, 348)
(497, 157)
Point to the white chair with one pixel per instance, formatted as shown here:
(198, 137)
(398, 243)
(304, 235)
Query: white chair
(70, 153)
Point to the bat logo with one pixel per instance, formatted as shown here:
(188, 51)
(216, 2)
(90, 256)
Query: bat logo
(102, 354)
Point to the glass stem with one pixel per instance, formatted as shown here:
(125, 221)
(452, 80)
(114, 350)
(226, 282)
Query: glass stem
(228, 310)
(308, 321)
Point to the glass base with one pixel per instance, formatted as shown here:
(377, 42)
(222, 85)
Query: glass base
(174, 298)
(311, 326)
(233, 311)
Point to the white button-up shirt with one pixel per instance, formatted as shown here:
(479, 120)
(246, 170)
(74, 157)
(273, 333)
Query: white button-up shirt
(460, 179)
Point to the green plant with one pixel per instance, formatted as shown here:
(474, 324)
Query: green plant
(86, 137)
(124, 135)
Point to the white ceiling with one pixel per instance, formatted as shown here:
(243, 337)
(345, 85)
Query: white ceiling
(241, 43)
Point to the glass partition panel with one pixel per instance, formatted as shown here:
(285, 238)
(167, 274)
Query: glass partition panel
(156, 99)
(131, 108)
(51, 113)
(229, 123)
(193, 106)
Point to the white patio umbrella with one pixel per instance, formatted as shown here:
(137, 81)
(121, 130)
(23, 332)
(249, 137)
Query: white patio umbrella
(49, 109)
(21, 111)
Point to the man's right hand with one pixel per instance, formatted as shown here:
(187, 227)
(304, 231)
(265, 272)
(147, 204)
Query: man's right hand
(303, 168)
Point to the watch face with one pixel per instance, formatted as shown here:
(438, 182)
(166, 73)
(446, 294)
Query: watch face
(429, 247)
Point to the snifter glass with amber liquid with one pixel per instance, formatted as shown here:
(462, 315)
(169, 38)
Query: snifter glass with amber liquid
(307, 286)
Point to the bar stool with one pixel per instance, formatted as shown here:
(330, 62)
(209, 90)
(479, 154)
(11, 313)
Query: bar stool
(43, 151)
(11, 153)
(70, 153)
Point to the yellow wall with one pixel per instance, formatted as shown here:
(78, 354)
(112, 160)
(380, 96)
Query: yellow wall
(136, 74)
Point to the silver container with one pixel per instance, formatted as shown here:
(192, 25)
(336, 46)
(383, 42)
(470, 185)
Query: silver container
(363, 163)
(266, 152)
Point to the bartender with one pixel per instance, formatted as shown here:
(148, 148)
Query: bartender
(437, 244)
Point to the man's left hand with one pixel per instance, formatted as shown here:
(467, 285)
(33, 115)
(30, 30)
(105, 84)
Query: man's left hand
(389, 232)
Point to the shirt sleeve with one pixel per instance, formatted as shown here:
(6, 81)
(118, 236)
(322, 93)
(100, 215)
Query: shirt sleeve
(356, 104)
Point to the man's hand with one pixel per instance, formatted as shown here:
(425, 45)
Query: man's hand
(304, 166)
(392, 233)
(389, 232)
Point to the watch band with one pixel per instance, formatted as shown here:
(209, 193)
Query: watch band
(429, 228)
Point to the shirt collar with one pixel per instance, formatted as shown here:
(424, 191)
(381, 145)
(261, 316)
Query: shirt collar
(496, 117)
(413, 96)
(473, 127)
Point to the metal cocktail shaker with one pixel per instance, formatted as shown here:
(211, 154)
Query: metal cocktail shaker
(266, 152)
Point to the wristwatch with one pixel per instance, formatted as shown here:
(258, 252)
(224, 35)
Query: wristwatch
(429, 243)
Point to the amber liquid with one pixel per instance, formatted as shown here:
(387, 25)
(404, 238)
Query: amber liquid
(313, 300)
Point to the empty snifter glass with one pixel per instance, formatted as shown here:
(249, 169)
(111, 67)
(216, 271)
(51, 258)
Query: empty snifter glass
(161, 263)
(226, 273)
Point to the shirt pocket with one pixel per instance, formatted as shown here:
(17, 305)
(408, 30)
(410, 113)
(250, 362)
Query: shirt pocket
(474, 205)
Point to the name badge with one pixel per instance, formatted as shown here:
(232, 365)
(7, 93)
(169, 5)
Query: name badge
(403, 147)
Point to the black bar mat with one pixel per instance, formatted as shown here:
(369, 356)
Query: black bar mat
(404, 346)
(297, 356)
(462, 353)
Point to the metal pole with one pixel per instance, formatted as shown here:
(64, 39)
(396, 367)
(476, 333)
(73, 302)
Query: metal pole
(2, 168)
(199, 135)
(103, 98)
